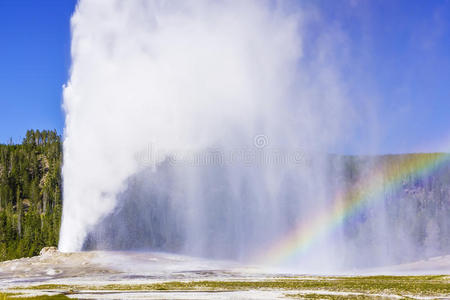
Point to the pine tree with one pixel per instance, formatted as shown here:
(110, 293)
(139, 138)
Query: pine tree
(30, 205)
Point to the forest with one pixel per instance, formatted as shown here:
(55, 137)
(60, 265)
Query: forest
(31, 202)
(30, 194)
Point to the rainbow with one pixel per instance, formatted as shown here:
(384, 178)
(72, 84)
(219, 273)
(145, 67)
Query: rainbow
(389, 175)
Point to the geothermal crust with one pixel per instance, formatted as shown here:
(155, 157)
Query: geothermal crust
(94, 275)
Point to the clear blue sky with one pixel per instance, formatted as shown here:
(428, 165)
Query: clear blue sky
(34, 64)
(400, 53)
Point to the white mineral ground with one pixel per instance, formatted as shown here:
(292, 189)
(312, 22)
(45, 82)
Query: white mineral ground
(98, 268)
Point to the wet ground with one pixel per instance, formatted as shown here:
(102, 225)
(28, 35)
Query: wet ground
(118, 275)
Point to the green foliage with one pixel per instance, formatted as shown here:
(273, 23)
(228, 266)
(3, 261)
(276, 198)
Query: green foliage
(30, 194)
(4, 296)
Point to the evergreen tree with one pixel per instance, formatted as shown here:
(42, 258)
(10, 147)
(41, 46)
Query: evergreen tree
(30, 194)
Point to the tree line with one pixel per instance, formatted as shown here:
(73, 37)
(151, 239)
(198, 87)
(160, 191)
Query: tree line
(415, 211)
(30, 194)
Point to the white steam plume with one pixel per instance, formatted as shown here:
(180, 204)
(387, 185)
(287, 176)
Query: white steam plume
(183, 76)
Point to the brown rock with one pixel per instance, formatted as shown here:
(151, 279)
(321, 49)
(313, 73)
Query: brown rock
(47, 251)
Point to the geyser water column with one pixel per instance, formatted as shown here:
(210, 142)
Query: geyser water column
(183, 77)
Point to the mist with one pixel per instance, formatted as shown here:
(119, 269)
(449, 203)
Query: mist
(205, 128)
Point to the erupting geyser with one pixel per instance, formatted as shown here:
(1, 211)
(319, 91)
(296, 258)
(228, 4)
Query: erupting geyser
(201, 127)
(181, 77)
